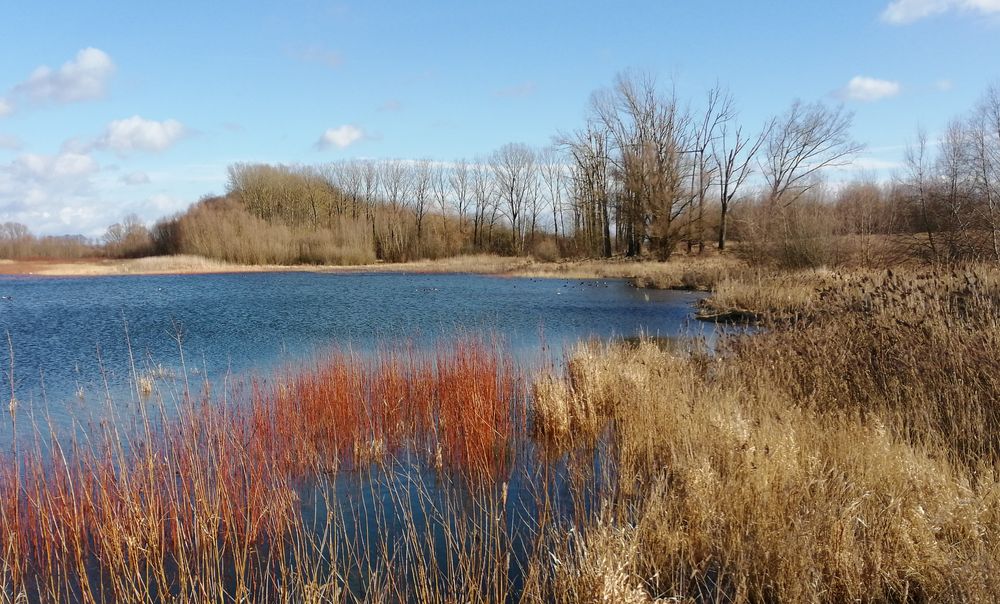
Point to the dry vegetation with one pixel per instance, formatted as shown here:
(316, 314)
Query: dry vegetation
(848, 452)
(847, 456)
(237, 499)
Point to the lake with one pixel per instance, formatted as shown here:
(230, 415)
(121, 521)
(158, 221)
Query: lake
(349, 455)
(71, 336)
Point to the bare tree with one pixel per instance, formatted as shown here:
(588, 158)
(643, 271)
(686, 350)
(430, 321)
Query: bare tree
(127, 238)
(954, 191)
(422, 179)
(863, 213)
(734, 154)
(440, 187)
(985, 134)
(591, 186)
(535, 205)
(395, 178)
(718, 110)
(395, 181)
(460, 191)
(484, 199)
(918, 196)
(349, 176)
(650, 136)
(552, 169)
(514, 169)
(805, 140)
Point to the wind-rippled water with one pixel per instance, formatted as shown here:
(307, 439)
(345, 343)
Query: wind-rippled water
(71, 336)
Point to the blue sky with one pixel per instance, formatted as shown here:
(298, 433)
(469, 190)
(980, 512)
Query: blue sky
(110, 108)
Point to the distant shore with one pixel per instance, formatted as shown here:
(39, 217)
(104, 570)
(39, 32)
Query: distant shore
(682, 272)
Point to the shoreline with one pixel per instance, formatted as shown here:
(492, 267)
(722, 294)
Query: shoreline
(683, 272)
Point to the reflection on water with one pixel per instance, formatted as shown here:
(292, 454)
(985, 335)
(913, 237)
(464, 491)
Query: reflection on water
(410, 452)
(72, 337)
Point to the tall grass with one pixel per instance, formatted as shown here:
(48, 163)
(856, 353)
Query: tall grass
(207, 506)
(846, 453)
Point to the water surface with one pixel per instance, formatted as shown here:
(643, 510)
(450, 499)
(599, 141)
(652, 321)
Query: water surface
(72, 337)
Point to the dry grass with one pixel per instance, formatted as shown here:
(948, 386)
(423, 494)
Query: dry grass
(847, 453)
(176, 264)
(844, 457)
(788, 296)
(765, 296)
(693, 272)
(680, 272)
(152, 265)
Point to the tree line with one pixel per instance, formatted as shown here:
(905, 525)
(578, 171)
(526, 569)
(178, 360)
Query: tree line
(646, 175)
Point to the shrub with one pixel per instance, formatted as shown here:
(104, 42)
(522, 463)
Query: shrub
(545, 250)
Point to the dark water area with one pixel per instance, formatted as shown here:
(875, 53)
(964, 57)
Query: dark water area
(72, 337)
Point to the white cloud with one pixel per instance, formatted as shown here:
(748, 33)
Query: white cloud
(901, 12)
(10, 142)
(165, 204)
(83, 78)
(866, 89)
(68, 192)
(56, 167)
(33, 187)
(5, 107)
(135, 178)
(340, 137)
(139, 134)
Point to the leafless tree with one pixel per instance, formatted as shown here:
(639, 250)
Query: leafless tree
(552, 168)
(863, 212)
(440, 188)
(954, 191)
(460, 191)
(804, 141)
(514, 169)
(422, 179)
(484, 199)
(370, 178)
(734, 153)
(985, 135)
(919, 183)
(650, 136)
(535, 205)
(349, 177)
(591, 185)
(395, 180)
(719, 110)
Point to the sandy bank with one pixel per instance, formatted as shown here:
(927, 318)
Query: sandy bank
(681, 272)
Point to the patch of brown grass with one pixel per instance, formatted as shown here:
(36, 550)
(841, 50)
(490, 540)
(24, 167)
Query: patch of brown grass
(847, 456)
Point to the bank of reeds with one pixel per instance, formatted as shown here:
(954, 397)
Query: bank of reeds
(210, 504)
(846, 454)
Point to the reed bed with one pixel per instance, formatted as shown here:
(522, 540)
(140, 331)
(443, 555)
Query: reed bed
(208, 505)
(848, 453)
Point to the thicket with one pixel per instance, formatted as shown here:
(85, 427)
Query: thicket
(18, 243)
